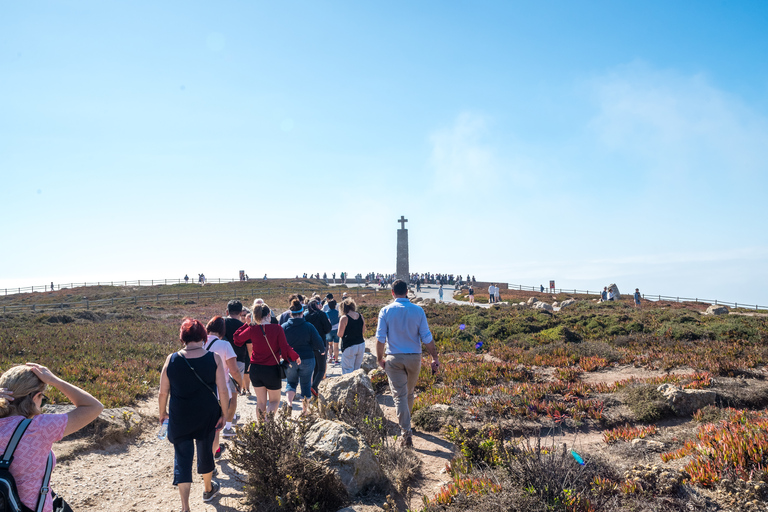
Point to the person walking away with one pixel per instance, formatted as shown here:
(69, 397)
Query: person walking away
(216, 344)
(192, 376)
(22, 395)
(304, 339)
(333, 338)
(440, 293)
(269, 346)
(351, 329)
(401, 330)
(636, 295)
(286, 315)
(319, 320)
(491, 294)
(471, 293)
(232, 322)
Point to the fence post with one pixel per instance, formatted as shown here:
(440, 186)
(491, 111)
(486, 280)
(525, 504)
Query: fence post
(134, 299)
(158, 298)
(139, 282)
(86, 304)
(113, 301)
(33, 307)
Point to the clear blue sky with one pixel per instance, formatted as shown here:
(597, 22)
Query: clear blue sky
(585, 142)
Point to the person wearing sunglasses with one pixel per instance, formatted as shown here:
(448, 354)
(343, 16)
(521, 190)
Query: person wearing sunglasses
(22, 395)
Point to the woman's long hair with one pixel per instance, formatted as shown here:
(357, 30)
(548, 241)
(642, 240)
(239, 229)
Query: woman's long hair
(25, 385)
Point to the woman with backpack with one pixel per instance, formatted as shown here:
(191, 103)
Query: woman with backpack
(22, 395)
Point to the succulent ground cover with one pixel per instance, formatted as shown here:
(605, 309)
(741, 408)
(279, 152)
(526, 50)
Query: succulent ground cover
(116, 352)
(517, 381)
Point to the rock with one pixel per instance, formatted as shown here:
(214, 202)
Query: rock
(434, 417)
(685, 402)
(343, 450)
(647, 443)
(532, 301)
(542, 305)
(555, 304)
(353, 390)
(716, 309)
(369, 362)
(111, 426)
(361, 508)
(521, 304)
(427, 301)
(566, 303)
(615, 289)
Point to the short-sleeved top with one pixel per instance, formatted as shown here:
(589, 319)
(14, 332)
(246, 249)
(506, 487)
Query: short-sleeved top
(226, 352)
(31, 455)
(193, 410)
(231, 325)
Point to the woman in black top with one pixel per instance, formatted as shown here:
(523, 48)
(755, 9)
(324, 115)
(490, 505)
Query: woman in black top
(351, 328)
(193, 376)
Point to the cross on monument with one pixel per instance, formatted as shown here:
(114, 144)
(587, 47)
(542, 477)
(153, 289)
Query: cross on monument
(402, 220)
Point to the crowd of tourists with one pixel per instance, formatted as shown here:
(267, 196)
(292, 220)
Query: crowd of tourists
(249, 351)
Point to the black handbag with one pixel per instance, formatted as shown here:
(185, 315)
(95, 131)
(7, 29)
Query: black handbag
(282, 366)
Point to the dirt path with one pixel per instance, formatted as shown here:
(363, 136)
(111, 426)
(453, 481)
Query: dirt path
(136, 476)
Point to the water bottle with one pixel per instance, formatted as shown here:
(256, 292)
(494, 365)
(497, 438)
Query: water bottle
(163, 430)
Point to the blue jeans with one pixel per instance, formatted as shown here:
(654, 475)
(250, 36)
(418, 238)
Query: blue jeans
(300, 373)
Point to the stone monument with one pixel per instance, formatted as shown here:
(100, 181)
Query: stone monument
(402, 271)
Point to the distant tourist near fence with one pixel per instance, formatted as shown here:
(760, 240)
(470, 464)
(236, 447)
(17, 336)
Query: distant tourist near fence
(85, 303)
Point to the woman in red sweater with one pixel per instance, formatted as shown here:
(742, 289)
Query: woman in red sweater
(267, 345)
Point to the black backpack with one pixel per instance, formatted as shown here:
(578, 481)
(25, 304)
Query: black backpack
(9, 495)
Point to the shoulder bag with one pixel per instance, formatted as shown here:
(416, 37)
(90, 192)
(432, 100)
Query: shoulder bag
(201, 380)
(281, 366)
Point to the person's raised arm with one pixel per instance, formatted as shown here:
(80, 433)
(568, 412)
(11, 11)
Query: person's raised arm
(87, 408)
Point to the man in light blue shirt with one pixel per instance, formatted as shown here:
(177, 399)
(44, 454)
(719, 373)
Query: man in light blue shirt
(401, 331)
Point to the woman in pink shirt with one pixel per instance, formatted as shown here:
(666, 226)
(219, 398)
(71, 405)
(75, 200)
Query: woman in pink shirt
(21, 396)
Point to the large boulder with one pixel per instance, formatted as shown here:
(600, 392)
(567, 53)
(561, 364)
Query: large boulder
(369, 362)
(685, 402)
(351, 391)
(542, 305)
(532, 301)
(343, 450)
(615, 289)
(566, 303)
(716, 309)
(427, 301)
(111, 426)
